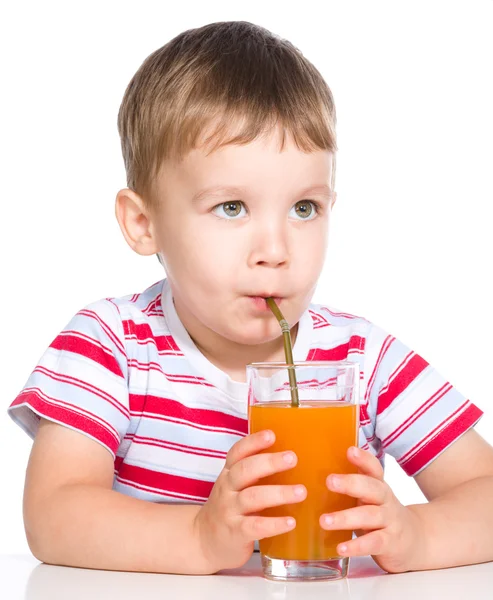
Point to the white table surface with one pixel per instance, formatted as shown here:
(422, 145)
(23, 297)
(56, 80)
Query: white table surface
(22, 577)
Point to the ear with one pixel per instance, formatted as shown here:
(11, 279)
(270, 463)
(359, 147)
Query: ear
(333, 200)
(135, 223)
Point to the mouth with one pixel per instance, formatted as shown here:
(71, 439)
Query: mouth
(260, 303)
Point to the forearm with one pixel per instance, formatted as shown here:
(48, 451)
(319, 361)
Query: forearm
(93, 527)
(456, 528)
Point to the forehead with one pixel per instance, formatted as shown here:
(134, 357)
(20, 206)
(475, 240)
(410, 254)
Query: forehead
(262, 161)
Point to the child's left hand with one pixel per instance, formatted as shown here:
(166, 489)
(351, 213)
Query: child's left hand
(387, 530)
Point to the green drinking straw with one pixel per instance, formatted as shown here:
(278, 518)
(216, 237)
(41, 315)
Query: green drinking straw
(288, 351)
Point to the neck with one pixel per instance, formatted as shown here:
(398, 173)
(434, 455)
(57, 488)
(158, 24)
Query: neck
(230, 356)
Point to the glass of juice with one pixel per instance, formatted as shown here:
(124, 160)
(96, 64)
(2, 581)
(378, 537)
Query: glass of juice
(320, 429)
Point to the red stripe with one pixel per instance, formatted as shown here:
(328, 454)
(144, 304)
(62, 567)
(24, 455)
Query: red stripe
(84, 336)
(167, 494)
(109, 332)
(72, 407)
(193, 379)
(152, 304)
(144, 335)
(147, 441)
(166, 482)
(179, 378)
(188, 424)
(446, 387)
(431, 433)
(118, 462)
(340, 352)
(340, 314)
(319, 321)
(150, 366)
(449, 434)
(402, 380)
(63, 415)
(363, 414)
(91, 350)
(383, 351)
(166, 407)
(84, 386)
(310, 383)
(197, 381)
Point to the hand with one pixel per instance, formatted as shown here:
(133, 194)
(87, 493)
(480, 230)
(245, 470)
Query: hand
(227, 525)
(387, 530)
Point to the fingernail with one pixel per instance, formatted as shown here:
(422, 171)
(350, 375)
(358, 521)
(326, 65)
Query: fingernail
(299, 491)
(328, 520)
(355, 452)
(268, 435)
(288, 457)
(335, 481)
(342, 549)
(290, 522)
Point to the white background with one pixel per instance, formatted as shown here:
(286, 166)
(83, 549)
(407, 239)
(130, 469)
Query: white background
(411, 244)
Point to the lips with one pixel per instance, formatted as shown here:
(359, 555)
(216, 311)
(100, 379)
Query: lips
(259, 303)
(263, 298)
(263, 295)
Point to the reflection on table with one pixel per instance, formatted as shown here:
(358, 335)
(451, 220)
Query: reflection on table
(23, 578)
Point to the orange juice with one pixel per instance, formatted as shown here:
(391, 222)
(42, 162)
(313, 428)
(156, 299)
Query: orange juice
(320, 434)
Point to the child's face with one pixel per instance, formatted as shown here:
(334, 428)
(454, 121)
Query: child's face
(222, 248)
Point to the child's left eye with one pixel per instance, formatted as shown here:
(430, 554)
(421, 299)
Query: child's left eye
(229, 210)
(305, 210)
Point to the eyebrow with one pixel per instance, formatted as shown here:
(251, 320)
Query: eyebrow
(218, 190)
(318, 189)
(221, 190)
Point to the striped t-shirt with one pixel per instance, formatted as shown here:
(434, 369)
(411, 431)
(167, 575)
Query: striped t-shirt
(125, 372)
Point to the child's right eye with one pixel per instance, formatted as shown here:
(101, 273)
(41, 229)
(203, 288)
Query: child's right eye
(229, 210)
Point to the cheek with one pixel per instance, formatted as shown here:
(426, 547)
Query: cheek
(199, 253)
(310, 252)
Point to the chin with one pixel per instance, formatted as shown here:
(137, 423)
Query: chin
(255, 336)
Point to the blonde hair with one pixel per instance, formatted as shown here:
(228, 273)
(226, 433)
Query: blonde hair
(205, 80)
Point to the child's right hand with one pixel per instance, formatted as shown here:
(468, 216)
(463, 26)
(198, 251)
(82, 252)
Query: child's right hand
(227, 525)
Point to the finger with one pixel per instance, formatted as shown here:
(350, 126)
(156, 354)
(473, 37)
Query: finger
(249, 445)
(249, 470)
(374, 543)
(257, 528)
(362, 517)
(368, 489)
(258, 497)
(366, 462)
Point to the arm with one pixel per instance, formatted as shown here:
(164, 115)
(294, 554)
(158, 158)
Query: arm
(454, 528)
(457, 522)
(73, 517)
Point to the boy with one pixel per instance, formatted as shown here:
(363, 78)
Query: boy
(141, 459)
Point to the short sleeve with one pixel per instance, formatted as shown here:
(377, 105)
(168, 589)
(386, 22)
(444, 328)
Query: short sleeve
(417, 413)
(81, 379)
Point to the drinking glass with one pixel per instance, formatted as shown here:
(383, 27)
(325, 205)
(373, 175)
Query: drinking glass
(319, 430)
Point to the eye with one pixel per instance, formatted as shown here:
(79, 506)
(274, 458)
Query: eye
(229, 210)
(306, 210)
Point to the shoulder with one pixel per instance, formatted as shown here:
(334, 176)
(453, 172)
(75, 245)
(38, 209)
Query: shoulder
(118, 311)
(326, 316)
(112, 318)
(142, 304)
(333, 326)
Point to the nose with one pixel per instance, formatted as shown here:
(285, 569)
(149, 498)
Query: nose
(270, 247)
